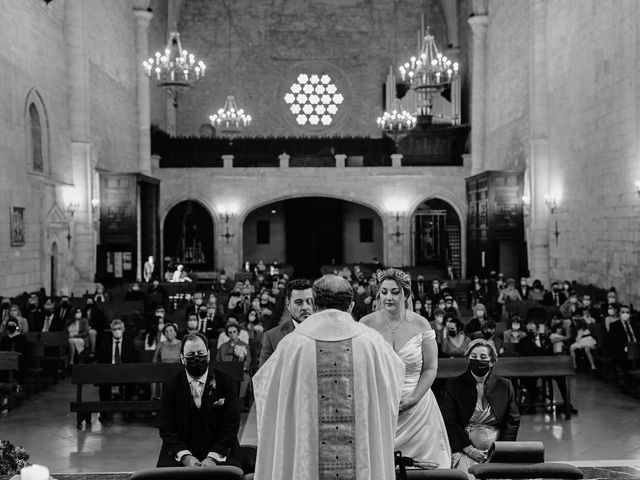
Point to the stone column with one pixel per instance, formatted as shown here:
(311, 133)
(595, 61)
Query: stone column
(539, 165)
(284, 160)
(341, 159)
(81, 260)
(143, 17)
(398, 240)
(227, 161)
(478, 92)
(396, 160)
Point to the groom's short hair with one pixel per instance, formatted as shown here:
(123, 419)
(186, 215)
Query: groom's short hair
(332, 291)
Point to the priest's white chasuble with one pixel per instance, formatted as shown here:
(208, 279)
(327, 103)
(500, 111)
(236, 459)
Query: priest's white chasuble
(327, 403)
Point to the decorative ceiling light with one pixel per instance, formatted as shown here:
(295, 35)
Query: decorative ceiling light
(313, 99)
(397, 123)
(428, 73)
(230, 120)
(175, 70)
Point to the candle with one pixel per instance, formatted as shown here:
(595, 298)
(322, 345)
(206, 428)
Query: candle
(34, 472)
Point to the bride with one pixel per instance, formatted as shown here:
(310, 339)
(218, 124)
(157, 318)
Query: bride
(421, 433)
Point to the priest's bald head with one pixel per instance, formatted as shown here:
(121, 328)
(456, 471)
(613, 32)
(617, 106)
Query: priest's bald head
(332, 291)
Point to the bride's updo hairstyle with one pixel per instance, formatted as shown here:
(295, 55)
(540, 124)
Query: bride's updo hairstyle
(402, 279)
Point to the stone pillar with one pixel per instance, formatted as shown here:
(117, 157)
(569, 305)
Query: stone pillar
(172, 127)
(230, 246)
(81, 259)
(539, 164)
(284, 160)
(341, 160)
(398, 240)
(227, 161)
(396, 159)
(478, 92)
(143, 17)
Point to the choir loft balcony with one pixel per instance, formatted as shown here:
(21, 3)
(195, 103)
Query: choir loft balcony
(436, 146)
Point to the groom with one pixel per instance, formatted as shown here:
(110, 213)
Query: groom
(327, 399)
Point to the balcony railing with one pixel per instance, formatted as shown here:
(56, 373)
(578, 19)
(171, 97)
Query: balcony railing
(437, 146)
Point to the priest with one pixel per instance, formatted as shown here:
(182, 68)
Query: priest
(327, 399)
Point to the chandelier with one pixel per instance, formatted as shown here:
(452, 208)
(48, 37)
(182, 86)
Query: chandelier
(397, 123)
(175, 70)
(230, 120)
(428, 73)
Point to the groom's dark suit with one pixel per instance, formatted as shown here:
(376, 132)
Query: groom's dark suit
(211, 428)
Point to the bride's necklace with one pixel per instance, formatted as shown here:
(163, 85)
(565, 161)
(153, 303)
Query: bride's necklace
(394, 329)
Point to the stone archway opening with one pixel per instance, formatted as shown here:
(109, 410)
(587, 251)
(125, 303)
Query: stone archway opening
(437, 236)
(188, 238)
(308, 233)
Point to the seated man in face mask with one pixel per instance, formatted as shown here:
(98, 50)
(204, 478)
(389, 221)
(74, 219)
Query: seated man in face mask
(488, 333)
(48, 322)
(200, 414)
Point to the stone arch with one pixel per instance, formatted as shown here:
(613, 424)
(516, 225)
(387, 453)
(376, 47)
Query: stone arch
(201, 247)
(37, 130)
(460, 210)
(347, 247)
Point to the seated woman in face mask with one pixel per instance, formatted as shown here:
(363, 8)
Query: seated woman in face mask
(473, 329)
(479, 408)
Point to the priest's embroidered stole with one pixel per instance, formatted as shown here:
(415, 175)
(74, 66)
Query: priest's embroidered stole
(336, 410)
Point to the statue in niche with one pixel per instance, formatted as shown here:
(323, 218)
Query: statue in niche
(189, 247)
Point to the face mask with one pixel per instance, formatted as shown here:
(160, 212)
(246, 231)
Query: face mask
(624, 316)
(197, 365)
(573, 300)
(479, 367)
(531, 334)
(135, 288)
(32, 306)
(78, 316)
(452, 332)
(487, 334)
(64, 304)
(11, 328)
(515, 328)
(202, 314)
(524, 284)
(611, 300)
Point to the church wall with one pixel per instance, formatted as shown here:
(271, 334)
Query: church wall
(112, 71)
(277, 246)
(158, 35)
(507, 96)
(384, 190)
(32, 57)
(354, 250)
(251, 48)
(593, 72)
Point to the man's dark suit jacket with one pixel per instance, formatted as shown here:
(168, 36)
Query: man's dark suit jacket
(55, 326)
(222, 421)
(618, 339)
(271, 339)
(527, 347)
(128, 352)
(547, 299)
(460, 400)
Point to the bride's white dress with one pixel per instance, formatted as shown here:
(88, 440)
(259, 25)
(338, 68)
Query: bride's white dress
(421, 433)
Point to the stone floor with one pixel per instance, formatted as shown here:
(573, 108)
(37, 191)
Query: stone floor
(605, 434)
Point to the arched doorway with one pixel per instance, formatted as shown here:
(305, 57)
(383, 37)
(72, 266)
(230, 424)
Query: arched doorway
(53, 266)
(437, 237)
(309, 232)
(188, 237)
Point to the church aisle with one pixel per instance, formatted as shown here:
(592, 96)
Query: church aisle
(606, 429)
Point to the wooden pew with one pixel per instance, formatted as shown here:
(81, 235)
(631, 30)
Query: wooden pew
(130, 373)
(52, 353)
(518, 367)
(9, 365)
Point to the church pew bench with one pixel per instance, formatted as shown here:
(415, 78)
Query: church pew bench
(129, 373)
(9, 389)
(545, 367)
(52, 353)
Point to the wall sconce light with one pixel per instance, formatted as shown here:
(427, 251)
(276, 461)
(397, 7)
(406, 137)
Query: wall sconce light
(71, 209)
(397, 233)
(552, 202)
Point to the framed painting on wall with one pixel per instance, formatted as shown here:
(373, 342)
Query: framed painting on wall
(17, 226)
